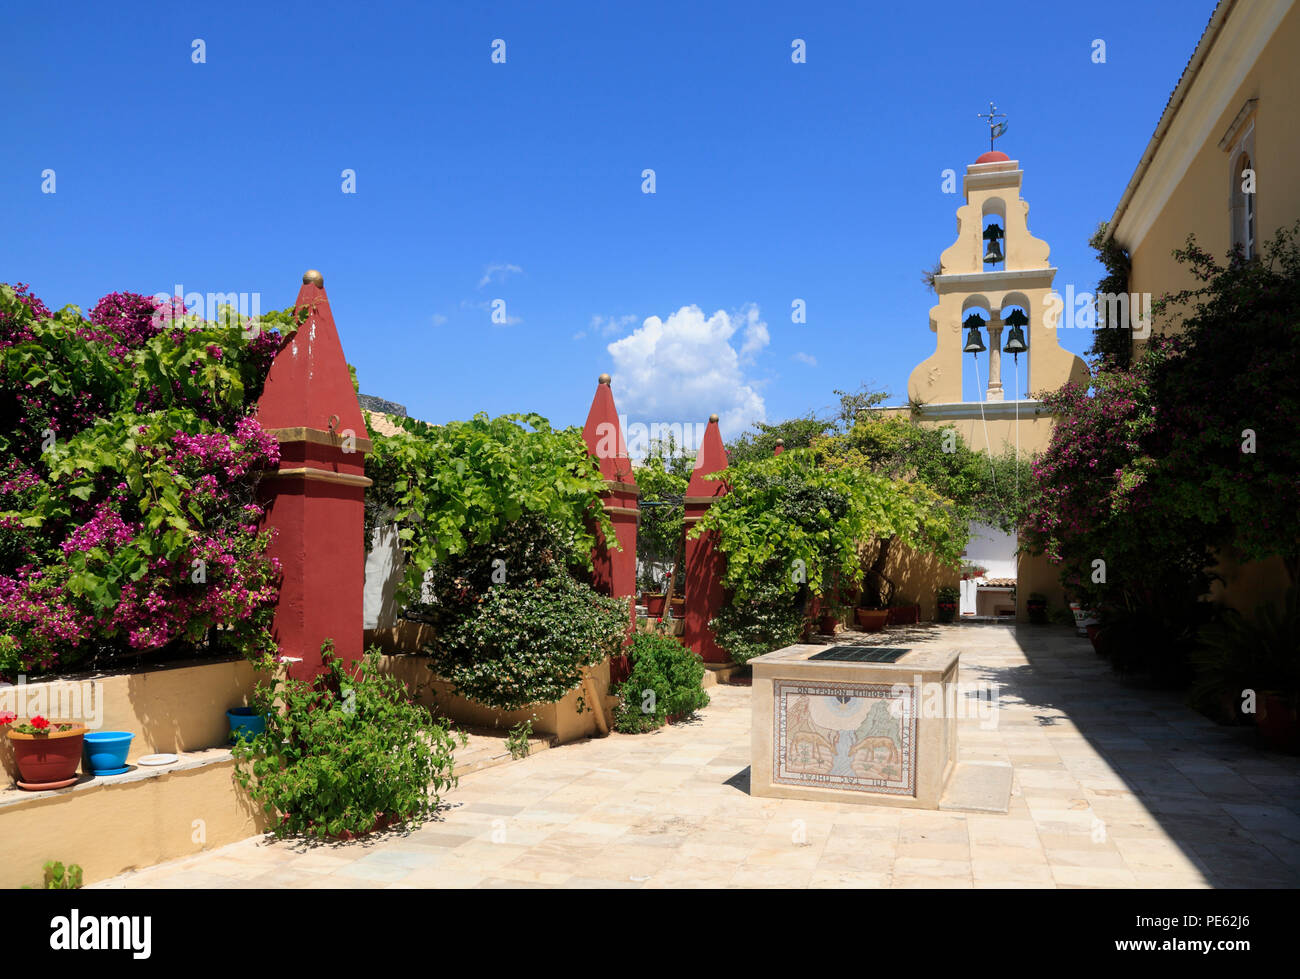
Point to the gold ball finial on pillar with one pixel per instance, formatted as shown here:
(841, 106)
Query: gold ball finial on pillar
(781, 442)
(603, 379)
(314, 278)
(712, 419)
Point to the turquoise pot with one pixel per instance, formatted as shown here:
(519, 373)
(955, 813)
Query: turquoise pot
(104, 752)
(245, 723)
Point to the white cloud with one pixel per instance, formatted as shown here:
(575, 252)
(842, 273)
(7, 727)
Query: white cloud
(609, 325)
(439, 319)
(498, 273)
(804, 358)
(686, 367)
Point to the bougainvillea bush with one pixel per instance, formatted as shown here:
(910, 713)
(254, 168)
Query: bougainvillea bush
(128, 462)
(1156, 471)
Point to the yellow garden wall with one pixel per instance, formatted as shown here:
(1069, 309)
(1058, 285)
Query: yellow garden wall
(560, 721)
(110, 828)
(111, 825)
(172, 708)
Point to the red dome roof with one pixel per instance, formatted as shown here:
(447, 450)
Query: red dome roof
(992, 156)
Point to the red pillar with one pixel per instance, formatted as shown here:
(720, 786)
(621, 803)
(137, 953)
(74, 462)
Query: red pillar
(316, 500)
(613, 571)
(704, 561)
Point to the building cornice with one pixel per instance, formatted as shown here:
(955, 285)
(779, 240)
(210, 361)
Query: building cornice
(1025, 409)
(979, 175)
(970, 281)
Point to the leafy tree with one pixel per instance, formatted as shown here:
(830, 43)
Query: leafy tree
(952, 483)
(1228, 397)
(795, 433)
(1112, 343)
(662, 482)
(495, 521)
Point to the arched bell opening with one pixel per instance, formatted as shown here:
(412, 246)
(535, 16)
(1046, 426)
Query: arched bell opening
(993, 225)
(976, 314)
(1014, 341)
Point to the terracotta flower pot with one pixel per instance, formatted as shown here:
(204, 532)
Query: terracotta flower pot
(871, 619)
(1094, 634)
(904, 614)
(678, 606)
(1278, 721)
(1037, 609)
(654, 604)
(47, 761)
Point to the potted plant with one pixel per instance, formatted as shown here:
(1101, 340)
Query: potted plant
(946, 599)
(871, 619)
(46, 753)
(245, 723)
(1239, 655)
(829, 619)
(1037, 606)
(1082, 618)
(904, 613)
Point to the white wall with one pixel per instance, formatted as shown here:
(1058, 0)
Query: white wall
(383, 573)
(993, 550)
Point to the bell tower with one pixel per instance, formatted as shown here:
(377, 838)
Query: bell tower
(994, 281)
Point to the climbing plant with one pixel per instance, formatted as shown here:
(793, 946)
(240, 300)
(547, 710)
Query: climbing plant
(449, 487)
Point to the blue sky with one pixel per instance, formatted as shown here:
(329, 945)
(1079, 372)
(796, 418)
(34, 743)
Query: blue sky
(522, 181)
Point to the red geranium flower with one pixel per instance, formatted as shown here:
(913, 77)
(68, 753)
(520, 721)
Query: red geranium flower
(40, 723)
(7, 717)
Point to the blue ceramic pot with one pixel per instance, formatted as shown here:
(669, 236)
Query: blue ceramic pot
(245, 722)
(104, 752)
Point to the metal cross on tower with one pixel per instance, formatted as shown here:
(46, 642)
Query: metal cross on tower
(996, 129)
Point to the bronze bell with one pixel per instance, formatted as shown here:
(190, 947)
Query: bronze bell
(1016, 345)
(993, 253)
(974, 342)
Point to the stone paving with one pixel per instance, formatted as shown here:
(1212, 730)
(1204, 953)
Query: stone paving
(1114, 786)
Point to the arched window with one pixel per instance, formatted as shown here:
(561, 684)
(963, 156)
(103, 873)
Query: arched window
(1242, 197)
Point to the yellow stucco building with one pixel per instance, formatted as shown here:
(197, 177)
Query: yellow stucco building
(1223, 164)
(1224, 161)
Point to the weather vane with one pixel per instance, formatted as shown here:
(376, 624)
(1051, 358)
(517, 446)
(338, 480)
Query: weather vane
(996, 129)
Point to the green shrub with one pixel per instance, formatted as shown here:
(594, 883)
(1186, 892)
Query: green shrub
(665, 682)
(344, 752)
(769, 619)
(528, 643)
